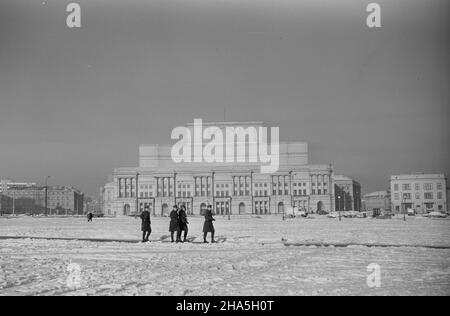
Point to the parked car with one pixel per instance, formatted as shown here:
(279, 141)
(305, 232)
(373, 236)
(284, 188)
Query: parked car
(293, 212)
(333, 215)
(350, 214)
(437, 215)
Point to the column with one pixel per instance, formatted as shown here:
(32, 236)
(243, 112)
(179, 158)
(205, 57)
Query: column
(175, 185)
(251, 183)
(164, 180)
(280, 185)
(271, 185)
(201, 186)
(240, 185)
(131, 186)
(245, 185)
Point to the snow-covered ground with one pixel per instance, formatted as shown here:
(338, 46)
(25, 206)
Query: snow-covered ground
(252, 260)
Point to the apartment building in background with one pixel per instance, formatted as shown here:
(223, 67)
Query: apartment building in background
(419, 193)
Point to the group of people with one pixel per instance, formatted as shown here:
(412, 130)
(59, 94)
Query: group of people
(179, 224)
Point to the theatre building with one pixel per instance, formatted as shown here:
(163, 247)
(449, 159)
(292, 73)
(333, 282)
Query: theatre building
(231, 188)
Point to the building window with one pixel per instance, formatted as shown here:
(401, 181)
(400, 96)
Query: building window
(439, 195)
(407, 196)
(417, 196)
(428, 195)
(439, 186)
(417, 186)
(406, 187)
(396, 187)
(428, 186)
(396, 196)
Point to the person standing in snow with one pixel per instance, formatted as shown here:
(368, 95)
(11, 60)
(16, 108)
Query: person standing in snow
(183, 223)
(208, 227)
(146, 224)
(89, 217)
(174, 226)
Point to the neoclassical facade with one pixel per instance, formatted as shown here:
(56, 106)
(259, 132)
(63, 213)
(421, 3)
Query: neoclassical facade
(232, 188)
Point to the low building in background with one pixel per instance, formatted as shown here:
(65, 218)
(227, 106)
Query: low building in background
(378, 203)
(6, 204)
(107, 199)
(6, 184)
(92, 206)
(29, 198)
(347, 194)
(24, 200)
(419, 193)
(65, 201)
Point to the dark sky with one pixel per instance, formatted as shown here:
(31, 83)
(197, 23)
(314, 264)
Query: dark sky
(76, 103)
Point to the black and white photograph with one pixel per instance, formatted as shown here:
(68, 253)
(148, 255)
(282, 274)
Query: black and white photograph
(224, 155)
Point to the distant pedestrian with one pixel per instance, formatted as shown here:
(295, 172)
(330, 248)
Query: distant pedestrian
(208, 227)
(183, 223)
(146, 224)
(89, 217)
(174, 226)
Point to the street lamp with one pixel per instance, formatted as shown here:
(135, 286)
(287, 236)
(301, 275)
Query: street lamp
(404, 208)
(345, 204)
(13, 203)
(339, 198)
(46, 196)
(137, 195)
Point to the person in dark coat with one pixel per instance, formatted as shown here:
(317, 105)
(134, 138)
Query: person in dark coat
(146, 224)
(89, 217)
(174, 226)
(208, 227)
(183, 223)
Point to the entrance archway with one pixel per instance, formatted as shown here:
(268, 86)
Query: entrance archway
(319, 207)
(164, 210)
(281, 208)
(202, 209)
(242, 208)
(126, 210)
